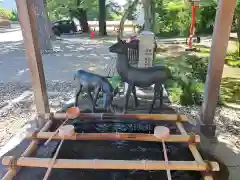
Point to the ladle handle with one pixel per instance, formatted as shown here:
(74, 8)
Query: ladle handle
(55, 132)
(166, 161)
(53, 161)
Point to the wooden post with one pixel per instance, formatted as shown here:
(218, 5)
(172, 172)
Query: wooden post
(222, 28)
(27, 19)
(112, 164)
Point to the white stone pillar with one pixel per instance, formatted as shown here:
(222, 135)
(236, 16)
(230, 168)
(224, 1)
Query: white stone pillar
(146, 49)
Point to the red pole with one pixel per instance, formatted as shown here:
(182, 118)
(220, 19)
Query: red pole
(194, 8)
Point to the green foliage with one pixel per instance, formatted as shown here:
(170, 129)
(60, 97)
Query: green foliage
(189, 75)
(199, 67)
(113, 11)
(233, 60)
(183, 23)
(115, 81)
(132, 14)
(59, 9)
(174, 17)
(9, 14)
(207, 18)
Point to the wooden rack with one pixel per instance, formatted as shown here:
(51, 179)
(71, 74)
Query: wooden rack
(197, 165)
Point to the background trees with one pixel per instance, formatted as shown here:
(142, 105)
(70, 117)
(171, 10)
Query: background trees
(172, 17)
(74, 9)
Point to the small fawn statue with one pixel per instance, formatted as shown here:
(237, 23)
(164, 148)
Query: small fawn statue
(90, 82)
(140, 77)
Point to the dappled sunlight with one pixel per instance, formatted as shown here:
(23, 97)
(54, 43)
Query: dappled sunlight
(171, 50)
(67, 55)
(230, 90)
(11, 47)
(20, 72)
(92, 68)
(225, 140)
(80, 56)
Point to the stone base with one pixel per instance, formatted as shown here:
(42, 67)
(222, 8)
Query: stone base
(208, 130)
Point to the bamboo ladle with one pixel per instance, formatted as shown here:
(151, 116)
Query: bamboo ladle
(162, 133)
(67, 130)
(71, 113)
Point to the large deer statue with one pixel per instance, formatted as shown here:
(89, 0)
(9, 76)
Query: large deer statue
(140, 77)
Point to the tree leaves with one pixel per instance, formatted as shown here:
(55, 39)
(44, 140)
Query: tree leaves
(61, 8)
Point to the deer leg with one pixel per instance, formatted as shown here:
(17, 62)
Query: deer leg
(106, 102)
(96, 94)
(90, 96)
(127, 98)
(77, 95)
(109, 103)
(161, 96)
(156, 90)
(136, 102)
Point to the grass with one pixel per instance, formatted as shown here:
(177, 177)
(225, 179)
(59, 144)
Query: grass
(233, 59)
(230, 91)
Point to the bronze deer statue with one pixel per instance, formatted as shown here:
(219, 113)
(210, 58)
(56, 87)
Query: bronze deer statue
(140, 77)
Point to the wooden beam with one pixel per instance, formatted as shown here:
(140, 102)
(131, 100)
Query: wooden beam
(196, 155)
(117, 136)
(27, 20)
(111, 164)
(28, 152)
(222, 29)
(131, 117)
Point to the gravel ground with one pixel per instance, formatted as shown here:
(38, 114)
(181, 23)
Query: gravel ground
(19, 109)
(226, 119)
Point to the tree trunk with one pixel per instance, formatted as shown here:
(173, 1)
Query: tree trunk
(51, 34)
(81, 15)
(238, 32)
(42, 26)
(153, 15)
(148, 21)
(82, 18)
(121, 26)
(102, 18)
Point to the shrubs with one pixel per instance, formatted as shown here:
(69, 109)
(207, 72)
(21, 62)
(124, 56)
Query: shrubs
(233, 60)
(9, 14)
(199, 67)
(189, 75)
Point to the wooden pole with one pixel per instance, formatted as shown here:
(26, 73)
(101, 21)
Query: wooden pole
(192, 147)
(53, 160)
(28, 152)
(117, 136)
(120, 117)
(27, 20)
(111, 164)
(222, 29)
